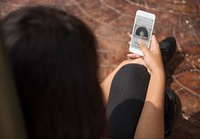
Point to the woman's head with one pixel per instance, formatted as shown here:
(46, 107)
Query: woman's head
(55, 67)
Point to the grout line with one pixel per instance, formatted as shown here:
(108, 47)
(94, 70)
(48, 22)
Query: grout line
(114, 9)
(178, 45)
(193, 30)
(174, 7)
(111, 38)
(110, 7)
(108, 65)
(96, 20)
(182, 73)
(189, 90)
(189, 61)
(104, 51)
(199, 5)
(180, 89)
(154, 9)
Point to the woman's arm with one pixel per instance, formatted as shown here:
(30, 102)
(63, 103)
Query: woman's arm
(151, 122)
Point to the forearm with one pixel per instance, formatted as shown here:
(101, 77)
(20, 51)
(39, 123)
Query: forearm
(151, 122)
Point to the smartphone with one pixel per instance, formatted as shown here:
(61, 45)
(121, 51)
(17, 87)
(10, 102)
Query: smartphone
(142, 30)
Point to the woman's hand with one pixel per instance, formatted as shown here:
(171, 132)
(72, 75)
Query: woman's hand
(152, 57)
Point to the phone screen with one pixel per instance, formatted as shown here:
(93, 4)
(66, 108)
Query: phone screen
(142, 30)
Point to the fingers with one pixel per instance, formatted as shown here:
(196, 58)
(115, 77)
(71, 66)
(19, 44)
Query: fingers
(140, 61)
(154, 40)
(154, 46)
(154, 43)
(143, 47)
(132, 56)
(130, 36)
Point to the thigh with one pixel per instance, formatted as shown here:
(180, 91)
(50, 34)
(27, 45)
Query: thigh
(126, 99)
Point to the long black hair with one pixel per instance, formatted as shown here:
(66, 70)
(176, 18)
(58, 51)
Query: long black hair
(54, 60)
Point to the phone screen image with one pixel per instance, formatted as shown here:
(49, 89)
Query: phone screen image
(142, 31)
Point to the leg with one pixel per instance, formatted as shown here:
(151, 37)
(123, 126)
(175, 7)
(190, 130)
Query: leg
(126, 99)
(127, 95)
(118, 97)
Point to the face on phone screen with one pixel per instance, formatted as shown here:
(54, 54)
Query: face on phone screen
(142, 30)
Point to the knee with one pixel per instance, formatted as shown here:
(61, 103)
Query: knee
(131, 80)
(135, 71)
(132, 76)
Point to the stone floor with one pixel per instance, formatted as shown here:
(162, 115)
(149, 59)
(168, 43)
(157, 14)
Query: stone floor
(112, 20)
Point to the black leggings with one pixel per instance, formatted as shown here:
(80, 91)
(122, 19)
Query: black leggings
(126, 100)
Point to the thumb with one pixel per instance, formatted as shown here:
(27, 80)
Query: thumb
(143, 47)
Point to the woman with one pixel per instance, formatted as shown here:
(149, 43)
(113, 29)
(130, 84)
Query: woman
(54, 60)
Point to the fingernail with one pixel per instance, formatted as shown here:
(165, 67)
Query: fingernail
(128, 33)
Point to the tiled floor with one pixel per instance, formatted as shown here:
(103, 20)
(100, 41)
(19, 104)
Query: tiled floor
(111, 21)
